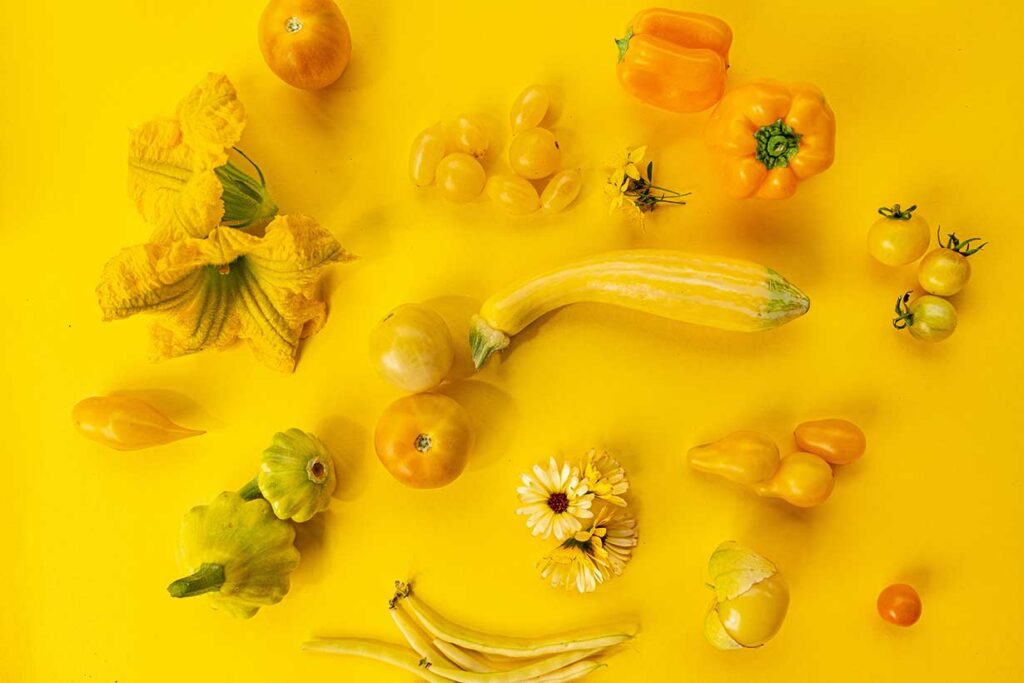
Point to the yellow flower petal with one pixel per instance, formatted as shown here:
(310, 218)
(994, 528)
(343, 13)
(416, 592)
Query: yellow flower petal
(632, 171)
(232, 285)
(212, 119)
(635, 156)
(166, 187)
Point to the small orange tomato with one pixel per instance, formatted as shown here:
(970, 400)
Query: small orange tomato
(899, 604)
(305, 42)
(837, 441)
(423, 440)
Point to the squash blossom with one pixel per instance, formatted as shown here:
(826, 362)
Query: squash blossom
(230, 285)
(179, 175)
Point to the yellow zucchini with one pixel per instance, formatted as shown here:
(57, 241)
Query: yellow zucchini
(726, 293)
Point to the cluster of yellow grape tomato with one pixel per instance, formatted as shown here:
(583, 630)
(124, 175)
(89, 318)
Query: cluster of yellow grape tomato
(448, 155)
(901, 237)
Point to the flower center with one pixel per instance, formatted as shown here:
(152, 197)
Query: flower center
(559, 502)
(422, 443)
(293, 24)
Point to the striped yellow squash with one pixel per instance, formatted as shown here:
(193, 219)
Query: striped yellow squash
(726, 293)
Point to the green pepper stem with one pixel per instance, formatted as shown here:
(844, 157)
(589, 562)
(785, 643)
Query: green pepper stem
(623, 44)
(209, 577)
(246, 199)
(777, 143)
(251, 491)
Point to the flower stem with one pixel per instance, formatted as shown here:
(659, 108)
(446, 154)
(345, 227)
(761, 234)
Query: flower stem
(246, 199)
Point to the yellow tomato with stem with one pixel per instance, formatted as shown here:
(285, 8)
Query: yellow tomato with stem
(946, 270)
(535, 153)
(512, 193)
(305, 42)
(412, 348)
(561, 190)
(899, 236)
(423, 440)
(928, 317)
(460, 178)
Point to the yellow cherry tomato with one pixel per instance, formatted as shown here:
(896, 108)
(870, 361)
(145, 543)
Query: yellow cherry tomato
(460, 178)
(529, 109)
(469, 135)
(125, 423)
(534, 153)
(561, 190)
(928, 317)
(836, 441)
(512, 193)
(898, 237)
(945, 271)
(423, 440)
(752, 619)
(412, 348)
(803, 480)
(427, 151)
(305, 42)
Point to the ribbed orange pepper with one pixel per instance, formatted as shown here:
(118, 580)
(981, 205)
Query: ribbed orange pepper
(675, 60)
(771, 136)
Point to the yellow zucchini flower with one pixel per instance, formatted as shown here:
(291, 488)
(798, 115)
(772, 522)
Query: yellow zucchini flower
(179, 175)
(231, 285)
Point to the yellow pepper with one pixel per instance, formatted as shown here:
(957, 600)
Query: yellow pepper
(771, 136)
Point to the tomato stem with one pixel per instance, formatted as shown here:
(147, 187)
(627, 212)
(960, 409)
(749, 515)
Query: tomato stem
(904, 317)
(896, 213)
(963, 248)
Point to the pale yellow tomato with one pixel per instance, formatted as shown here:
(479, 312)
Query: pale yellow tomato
(423, 440)
(412, 348)
(529, 109)
(561, 190)
(512, 193)
(460, 178)
(427, 151)
(534, 153)
(899, 236)
(470, 135)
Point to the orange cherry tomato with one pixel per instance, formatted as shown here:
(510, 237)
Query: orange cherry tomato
(899, 604)
(423, 440)
(305, 42)
(837, 441)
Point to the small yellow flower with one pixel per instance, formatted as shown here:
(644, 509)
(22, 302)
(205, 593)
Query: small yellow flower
(593, 555)
(230, 285)
(555, 500)
(605, 477)
(570, 567)
(179, 175)
(618, 534)
(630, 186)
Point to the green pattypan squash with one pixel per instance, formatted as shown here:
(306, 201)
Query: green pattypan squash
(296, 475)
(239, 554)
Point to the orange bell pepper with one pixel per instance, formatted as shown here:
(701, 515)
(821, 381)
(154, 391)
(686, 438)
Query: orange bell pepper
(675, 60)
(771, 137)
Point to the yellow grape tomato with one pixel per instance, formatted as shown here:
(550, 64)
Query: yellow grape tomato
(469, 134)
(561, 190)
(460, 178)
(534, 153)
(427, 151)
(529, 109)
(512, 193)
(412, 348)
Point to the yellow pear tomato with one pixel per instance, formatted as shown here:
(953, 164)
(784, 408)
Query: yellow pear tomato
(423, 440)
(305, 42)
(412, 348)
(803, 480)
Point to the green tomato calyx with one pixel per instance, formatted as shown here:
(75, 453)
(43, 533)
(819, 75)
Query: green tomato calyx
(904, 318)
(953, 243)
(896, 213)
(777, 143)
(623, 44)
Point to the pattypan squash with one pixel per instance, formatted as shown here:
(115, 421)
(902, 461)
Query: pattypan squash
(239, 555)
(296, 476)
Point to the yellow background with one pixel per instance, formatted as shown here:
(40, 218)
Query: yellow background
(929, 108)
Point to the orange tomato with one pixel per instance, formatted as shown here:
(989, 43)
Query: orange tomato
(837, 441)
(899, 604)
(423, 440)
(305, 42)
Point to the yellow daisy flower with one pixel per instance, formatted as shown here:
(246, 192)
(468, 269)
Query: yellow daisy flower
(593, 555)
(605, 477)
(179, 175)
(230, 285)
(555, 500)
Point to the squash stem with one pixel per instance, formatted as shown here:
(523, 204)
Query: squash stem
(209, 577)
(251, 491)
(485, 340)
